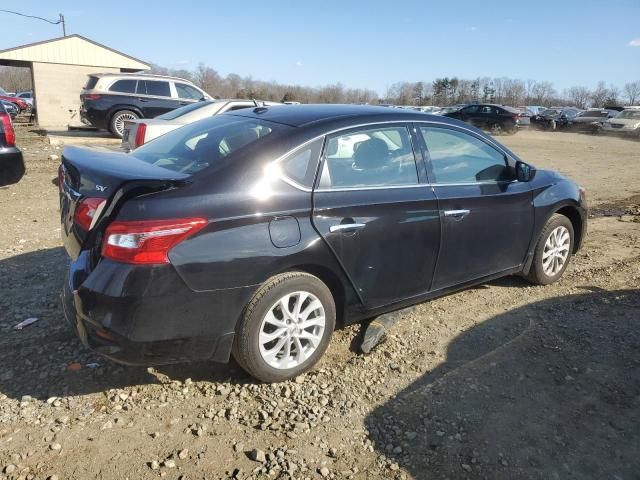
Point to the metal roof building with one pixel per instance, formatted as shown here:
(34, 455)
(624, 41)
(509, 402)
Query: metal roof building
(59, 69)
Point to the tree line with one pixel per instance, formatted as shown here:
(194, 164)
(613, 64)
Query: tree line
(440, 92)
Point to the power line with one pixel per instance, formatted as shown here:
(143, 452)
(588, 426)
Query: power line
(58, 22)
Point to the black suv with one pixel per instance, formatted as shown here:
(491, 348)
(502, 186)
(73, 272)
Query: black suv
(496, 119)
(111, 99)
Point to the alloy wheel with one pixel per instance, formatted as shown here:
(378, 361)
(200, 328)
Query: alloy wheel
(120, 119)
(292, 330)
(556, 251)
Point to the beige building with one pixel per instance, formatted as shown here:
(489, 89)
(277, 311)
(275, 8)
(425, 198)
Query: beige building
(59, 69)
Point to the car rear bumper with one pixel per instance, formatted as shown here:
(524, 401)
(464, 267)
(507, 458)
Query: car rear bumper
(148, 316)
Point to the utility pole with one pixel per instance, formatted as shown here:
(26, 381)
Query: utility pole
(64, 28)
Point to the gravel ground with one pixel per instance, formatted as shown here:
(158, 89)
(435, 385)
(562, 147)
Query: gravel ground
(505, 380)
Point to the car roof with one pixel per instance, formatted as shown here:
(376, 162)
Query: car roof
(139, 75)
(305, 115)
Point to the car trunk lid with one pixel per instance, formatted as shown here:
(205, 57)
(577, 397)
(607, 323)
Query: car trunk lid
(95, 182)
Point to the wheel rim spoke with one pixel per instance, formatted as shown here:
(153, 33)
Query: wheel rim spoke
(556, 251)
(292, 330)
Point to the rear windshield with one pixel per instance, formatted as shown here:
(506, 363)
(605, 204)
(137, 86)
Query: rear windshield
(202, 144)
(178, 112)
(91, 82)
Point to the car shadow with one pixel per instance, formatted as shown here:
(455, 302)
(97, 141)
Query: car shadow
(549, 390)
(41, 359)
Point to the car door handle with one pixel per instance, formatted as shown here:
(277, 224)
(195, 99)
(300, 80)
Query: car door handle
(143, 99)
(457, 214)
(346, 227)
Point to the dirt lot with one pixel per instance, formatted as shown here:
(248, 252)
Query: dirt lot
(505, 380)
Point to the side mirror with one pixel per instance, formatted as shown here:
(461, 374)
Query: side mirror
(524, 172)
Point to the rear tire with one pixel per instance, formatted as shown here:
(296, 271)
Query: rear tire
(285, 328)
(116, 124)
(553, 251)
(496, 129)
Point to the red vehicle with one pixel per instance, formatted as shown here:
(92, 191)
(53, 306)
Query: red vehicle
(20, 103)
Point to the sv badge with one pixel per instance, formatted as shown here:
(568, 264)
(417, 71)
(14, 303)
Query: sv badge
(100, 188)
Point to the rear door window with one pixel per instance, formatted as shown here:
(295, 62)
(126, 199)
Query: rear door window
(457, 157)
(156, 88)
(124, 86)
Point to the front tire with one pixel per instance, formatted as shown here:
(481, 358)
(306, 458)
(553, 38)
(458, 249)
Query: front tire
(553, 251)
(116, 124)
(286, 327)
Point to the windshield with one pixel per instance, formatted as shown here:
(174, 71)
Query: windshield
(201, 144)
(3, 92)
(632, 114)
(550, 111)
(178, 112)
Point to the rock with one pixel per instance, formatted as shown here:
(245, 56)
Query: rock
(324, 471)
(53, 157)
(182, 454)
(257, 455)
(465, 467)
(169, 463)
(52, 477)
(154, 465)
(56, 447)
(107, 425)
(9, 469)
(238, 447)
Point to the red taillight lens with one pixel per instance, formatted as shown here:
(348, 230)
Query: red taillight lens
(92, 96)
(86, 211)
(9, 132)
(147, 242)
(140, 133)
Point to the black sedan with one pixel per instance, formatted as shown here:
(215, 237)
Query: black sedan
(11, 161)
(555, 118)
(257, 232)
(496, 119)
(591, 120)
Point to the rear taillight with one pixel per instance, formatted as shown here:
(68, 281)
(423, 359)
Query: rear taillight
(92, 96)
(140, 133)
(147, 242)
(87, 211)
(9, 132)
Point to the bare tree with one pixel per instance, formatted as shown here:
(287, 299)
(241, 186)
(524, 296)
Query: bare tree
(632, 92)
(15, 79)
(579, 96)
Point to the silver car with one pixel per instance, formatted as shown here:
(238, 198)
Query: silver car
(627, 122)
(138, 132)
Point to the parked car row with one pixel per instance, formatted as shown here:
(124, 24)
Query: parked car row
(19, 102)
